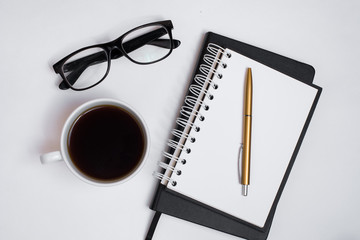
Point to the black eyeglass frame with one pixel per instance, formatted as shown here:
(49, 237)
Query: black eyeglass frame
(115, 49)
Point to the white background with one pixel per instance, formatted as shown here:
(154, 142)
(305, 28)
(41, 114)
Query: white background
(320, 200)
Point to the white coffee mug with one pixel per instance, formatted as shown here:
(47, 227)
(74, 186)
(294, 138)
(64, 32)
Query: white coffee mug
(64, 155)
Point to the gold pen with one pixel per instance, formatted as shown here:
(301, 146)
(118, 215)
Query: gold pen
(246, 147)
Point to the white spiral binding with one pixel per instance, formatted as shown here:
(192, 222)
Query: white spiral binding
(192, 101)
(202, 89)
(201, 80)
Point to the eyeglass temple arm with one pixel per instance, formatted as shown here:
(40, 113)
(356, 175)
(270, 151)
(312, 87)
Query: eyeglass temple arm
(165, 43)
(81, 64)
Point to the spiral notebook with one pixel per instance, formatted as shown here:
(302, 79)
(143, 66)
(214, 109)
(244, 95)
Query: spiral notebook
(201, 166)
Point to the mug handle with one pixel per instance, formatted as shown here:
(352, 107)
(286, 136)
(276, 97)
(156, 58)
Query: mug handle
(50, 157)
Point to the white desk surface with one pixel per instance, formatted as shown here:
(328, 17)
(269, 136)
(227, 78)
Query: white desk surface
(321, 198)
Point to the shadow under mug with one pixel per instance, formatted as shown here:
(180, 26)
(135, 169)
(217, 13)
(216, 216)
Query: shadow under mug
(104, 142)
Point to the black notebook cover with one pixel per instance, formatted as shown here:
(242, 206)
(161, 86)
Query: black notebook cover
(172, 203)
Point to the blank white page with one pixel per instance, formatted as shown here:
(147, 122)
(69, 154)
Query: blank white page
(281, 105)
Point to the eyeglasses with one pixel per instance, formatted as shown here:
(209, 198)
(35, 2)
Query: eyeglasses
(87, 67)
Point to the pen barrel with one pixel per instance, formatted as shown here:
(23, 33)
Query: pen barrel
(245, 165)
(246, 152)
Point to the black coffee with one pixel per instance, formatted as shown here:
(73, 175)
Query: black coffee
(106, 143)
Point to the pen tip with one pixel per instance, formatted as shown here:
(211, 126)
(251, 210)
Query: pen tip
(245, 190)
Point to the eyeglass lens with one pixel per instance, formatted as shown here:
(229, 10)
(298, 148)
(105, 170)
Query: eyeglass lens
(86, 68)
(151, 50)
